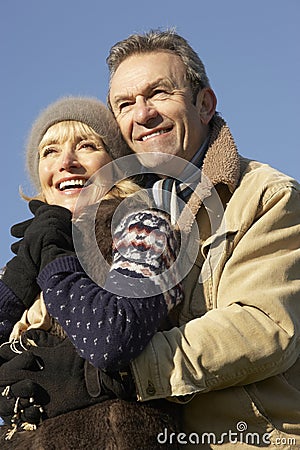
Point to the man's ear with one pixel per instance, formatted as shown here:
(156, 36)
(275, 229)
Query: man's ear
(206, 104)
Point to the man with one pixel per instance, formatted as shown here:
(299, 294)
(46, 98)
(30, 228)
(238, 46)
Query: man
(232, 356)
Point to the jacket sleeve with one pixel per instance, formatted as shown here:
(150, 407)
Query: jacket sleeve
(111, 325)
(253, 330)
(11, 310)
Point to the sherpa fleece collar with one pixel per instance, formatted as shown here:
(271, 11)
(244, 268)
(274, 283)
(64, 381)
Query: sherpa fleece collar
(221, 165)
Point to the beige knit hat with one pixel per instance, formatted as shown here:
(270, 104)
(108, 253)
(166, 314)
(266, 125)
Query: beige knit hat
(90, 111)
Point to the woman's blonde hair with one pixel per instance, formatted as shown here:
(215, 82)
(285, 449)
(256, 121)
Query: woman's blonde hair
(69, 129)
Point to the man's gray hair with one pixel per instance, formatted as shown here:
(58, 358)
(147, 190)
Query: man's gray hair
(156, 40)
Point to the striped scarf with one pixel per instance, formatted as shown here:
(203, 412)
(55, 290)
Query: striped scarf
(170, 194)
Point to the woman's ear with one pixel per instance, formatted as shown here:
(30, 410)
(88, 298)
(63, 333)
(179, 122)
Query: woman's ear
(206, 104)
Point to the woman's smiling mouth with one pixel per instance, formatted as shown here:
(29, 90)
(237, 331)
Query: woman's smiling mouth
(73, 183)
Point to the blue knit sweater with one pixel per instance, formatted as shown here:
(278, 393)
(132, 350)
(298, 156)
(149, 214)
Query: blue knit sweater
(111, 325)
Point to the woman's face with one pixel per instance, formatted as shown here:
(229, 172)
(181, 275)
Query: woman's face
(66, 164)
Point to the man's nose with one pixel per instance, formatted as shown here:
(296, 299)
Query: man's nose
(144, 110)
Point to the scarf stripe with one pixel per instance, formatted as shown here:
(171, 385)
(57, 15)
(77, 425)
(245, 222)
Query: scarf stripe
(170, 194)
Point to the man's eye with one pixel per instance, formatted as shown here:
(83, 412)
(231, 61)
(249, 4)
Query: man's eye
(159, 93)
(124, 105)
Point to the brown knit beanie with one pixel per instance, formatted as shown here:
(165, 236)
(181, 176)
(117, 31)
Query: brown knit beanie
(87, 110)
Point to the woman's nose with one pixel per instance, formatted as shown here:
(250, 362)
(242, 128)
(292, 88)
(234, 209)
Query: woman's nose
(68, 160)
(144, 110)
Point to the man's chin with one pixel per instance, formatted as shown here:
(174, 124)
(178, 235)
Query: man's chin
(162, 163)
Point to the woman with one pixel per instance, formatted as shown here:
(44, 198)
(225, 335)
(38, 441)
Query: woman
(70, 141)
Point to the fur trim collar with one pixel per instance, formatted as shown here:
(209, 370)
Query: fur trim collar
(221, 165)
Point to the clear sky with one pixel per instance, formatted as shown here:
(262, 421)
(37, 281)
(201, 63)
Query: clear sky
(53, 48)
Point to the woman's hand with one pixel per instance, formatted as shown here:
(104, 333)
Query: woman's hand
(46, 237)
(20, 273)
(48, 378)
(49, 236)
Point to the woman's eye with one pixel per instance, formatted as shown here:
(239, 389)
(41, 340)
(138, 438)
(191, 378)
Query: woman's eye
(88, 145)
(48, 151)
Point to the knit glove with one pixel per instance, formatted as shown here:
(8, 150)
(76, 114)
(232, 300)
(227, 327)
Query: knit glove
(23, 391)
(46, 237)
(49, 236)
(20, 273)
(10, 350)
(49, 377)
(18, 231)
(17, 402)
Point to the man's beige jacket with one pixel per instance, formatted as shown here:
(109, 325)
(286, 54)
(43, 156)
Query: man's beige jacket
(233, 357)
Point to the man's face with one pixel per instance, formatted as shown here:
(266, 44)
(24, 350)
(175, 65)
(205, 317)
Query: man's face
(153, 104)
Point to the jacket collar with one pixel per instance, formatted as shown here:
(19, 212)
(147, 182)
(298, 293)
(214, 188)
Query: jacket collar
(221, 165)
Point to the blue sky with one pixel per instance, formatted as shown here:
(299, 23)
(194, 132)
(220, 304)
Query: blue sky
(50, 49)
